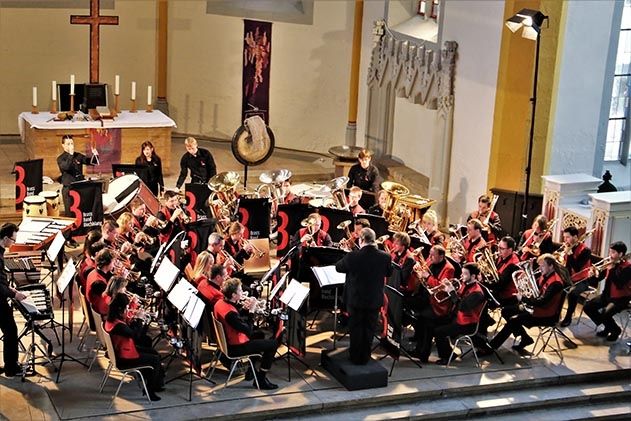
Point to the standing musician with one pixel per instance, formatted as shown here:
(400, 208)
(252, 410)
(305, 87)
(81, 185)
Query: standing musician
(402, 256)
(489, 219)
(198, 161)
(474, 241)
(241, 338)
(436, 313)
(430, 226)
(153, 176)
(97, 280)
(380, 205)
(364, 174)
(616, 294)
(366, 272)
(8, 234)
(71, 164)
(92, 245)
(210, 289)
(312, 235)
(577, 261)
(128, 353)
(354, 196)
(173, 214)
(545, 307)
(536, 240)
(469, 303)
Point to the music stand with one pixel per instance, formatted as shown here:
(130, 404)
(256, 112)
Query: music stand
(327, 276)
(294, 298)
(64, 279)
(53, 254)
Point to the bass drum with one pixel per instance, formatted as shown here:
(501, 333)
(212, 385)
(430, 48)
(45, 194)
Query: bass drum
(247, 152)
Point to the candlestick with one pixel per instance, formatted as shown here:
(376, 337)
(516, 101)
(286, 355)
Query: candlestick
(149, 99)
(53, 107)
(133, 91)
(34, 96)
(54, 90)
(71, 111)
(117, 104)
(117, 85)
(34, 109)
(71, 85)
(132, 109)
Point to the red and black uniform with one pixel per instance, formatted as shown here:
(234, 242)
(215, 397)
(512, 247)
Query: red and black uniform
(357, 209)
(171, 229)
(129, 354)
(546, 310)
(504, 289)
(406, 262)
(98, 300)
(472, 247)
(577, 263)
(435, 238)
(469, 304)
(235, 250)
(528, 240)
(86, 266)
(494, 222)
(615, 297)
(321, 238)
(208, 291)
(239, 333)
(291, 199)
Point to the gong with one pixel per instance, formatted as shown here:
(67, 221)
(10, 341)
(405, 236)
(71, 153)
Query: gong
(250, 152)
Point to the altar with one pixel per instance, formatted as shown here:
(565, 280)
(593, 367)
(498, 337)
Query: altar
(117, 140)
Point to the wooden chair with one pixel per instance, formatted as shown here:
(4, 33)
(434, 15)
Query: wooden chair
(222, 343)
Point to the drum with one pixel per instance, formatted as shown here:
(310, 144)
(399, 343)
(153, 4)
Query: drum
(34, 206)
(123, 190)
(52, 202)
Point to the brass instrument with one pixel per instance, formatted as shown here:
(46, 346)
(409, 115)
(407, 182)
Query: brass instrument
(236, 265)
(337, 191)
(259, 253)
(382, 240)
(259, 306)
(223, 186)
(487, 218)
(439, 292)
(421, 264)
(394, 191)
(154, 222)
(308, 222)
(455, 245)
(183, 216)
(271, 185)
(533, 249)
(525, 279)
(418, 229)
(347, 243)
(603, 263)
(566, 249)
(486, 262)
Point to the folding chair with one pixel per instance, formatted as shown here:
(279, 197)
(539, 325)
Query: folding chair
(467, 339)
(552, 331)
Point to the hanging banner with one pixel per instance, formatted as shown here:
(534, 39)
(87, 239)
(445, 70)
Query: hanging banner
(108, 144)
(28, 180)
(257, 53)
(86, 205)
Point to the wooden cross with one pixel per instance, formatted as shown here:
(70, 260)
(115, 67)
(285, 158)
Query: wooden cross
(95, 20)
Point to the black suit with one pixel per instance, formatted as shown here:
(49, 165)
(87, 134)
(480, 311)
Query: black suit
(366, 271)
(71, 167)
(7, 322)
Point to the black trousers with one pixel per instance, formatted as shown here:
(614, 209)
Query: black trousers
(425, 328)
(574, 294)
(453, 330)
(362, 325)
(10, 332)
(150, 357)
(65, 196)
(265, 347)
(601, 310)
(516, 326)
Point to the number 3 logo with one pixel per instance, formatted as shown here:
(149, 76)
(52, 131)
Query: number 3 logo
(19, 185)
(282, 230)
(74, 208)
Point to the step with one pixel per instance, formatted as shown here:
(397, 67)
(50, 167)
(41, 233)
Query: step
(596, 411)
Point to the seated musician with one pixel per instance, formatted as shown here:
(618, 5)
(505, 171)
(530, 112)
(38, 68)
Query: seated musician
(216, 249)
(468, 303)
(210, 288)
(125, 227)
(97, 281)
(288, 197)
(546, 306)
(312, 234)
(430, 226)
(352, 243)
(139, 211)
(380, 204)
(109, 229)
(504, 289)
(136, 314)
(203, 263)
(577, 261)
(128, 353)
(536, 240)
(490, 220)
(436, 313)
(402, 256)
(235, 244)
(616, 293)
(239, 333)
(91, 247)
(174, 216)
(354, 196)
(364, 174)
(474, 241)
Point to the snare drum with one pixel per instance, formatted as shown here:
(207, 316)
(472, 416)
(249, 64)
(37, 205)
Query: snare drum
(34, 206)
(123, 190)
(52, 202)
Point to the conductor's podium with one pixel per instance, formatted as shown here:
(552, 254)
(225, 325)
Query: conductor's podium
(354, 377)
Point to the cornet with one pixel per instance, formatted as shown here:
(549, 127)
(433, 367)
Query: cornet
(236, 265)
(259, 253)
(440, 292)
(183, 216)
(154, 222)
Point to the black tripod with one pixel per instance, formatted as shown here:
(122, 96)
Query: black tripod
(289, 332)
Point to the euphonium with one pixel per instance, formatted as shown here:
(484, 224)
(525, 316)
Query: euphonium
(382, 240)
(525, 280)
(486, 262)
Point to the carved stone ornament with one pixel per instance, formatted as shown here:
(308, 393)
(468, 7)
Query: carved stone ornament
(416, 72)
(571, 219)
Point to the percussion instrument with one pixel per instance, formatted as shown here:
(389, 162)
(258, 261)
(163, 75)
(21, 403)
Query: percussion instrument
(52, 202)
(345, 152)
(40, 296)
(123, 190)
(34, 206)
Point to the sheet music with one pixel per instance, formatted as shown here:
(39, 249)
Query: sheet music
(56, 246)
(278, 286)
(66, 276)
(166, 274)
(328, 276)
(29, 304)
(157, 258)
(194, 310)
(181, 294)
(294, 295)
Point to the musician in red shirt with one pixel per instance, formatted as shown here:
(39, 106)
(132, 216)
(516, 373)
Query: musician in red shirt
(402, 256)
(489, 219)
(474, 241)
(616, 294)
(210, 289)
(93, 244)
(504, 289)
(577, 262)
(312, 234)
(469, 302)
(128, 353)
(239, 332)
(354, 196)
(97, 281)
(546, 306)
(536, 240)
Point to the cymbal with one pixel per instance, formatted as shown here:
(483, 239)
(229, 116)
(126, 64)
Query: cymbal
(337, 183)
(276, 176)
(345, 152)
(395, 188)
(224, 181)
(321, 192)
(342, 225)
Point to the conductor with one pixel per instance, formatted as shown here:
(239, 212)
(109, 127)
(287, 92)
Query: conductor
(366, 271)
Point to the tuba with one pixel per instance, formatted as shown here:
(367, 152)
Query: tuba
(525, 280)
(486, 262)
(337, 191)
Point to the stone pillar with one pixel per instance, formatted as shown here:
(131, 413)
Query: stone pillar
(162, 56)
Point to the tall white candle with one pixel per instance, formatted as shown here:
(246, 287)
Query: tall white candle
(54, 90)
(149, 97)
(34, 96)
(133, 91)
(71, 84)
(117, 85)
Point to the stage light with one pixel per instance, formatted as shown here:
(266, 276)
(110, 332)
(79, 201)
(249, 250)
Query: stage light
(530, 20)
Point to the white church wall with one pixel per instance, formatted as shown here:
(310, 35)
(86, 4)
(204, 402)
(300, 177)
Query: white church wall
(310, 67)
(414, 135)
(40, 45)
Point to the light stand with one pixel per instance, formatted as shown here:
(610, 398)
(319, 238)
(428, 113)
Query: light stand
(531, 21)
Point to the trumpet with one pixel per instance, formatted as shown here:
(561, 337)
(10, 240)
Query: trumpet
(236, 265)
(259, 253)
(153, 222)
(183, 216)
(257, 306)
(441, 291)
